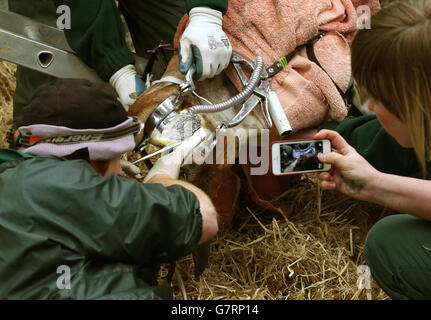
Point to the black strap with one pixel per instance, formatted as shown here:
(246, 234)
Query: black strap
(80, 154)
(171, 272)
(282, 63)
(309, 45)
(200, 257)
(312, 56)
(147, 162)
(158, 53)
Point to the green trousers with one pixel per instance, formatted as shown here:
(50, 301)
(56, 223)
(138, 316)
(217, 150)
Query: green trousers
(398, 252)
(150, 22)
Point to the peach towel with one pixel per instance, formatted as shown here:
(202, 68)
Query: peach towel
(273, 29)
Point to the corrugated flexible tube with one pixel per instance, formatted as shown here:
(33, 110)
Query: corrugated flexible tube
(240, 98)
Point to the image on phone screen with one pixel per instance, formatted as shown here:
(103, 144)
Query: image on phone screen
(300, 156)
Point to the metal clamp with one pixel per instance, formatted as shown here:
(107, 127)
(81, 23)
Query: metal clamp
(259, 96)
(256, 91)
(189, 84)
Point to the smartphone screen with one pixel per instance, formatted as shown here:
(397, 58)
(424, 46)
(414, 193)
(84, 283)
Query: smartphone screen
(299, 157)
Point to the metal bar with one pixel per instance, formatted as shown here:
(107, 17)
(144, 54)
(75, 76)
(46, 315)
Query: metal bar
(167, 148)
(28, 28)
(43, 58)
(40, 47)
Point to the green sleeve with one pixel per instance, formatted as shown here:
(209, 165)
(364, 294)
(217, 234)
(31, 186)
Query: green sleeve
(379, 148)
(115, 219)
(97, 35)
(12, 154)
(221, 5)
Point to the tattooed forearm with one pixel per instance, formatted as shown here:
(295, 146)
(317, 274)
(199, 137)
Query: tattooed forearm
(352, 187)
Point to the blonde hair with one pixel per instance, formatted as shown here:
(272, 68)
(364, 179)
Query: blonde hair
(392, 63)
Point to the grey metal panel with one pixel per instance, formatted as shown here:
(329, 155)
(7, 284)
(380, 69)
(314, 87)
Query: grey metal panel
(43, 48)
(40, 47)
(28, 28)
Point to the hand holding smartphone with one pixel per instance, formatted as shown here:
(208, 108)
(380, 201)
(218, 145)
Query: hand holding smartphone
(296, 157)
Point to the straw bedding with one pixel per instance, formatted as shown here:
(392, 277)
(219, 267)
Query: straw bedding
(7, 87)
(315, 254)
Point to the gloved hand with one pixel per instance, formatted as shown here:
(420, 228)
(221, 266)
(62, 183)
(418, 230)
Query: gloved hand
(205, 44)
(171, 163)
(131, 169)
(125, 82)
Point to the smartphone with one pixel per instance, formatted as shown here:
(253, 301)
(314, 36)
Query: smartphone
(295, 157)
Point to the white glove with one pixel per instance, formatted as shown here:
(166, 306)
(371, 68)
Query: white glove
(171, 163)
(131, 169)
(205, 44)
(125, 82)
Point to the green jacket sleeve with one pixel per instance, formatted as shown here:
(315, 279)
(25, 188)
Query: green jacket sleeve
(113, 219)
(379, 148)
(221, 5)
(11, 154)
(97, 35)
